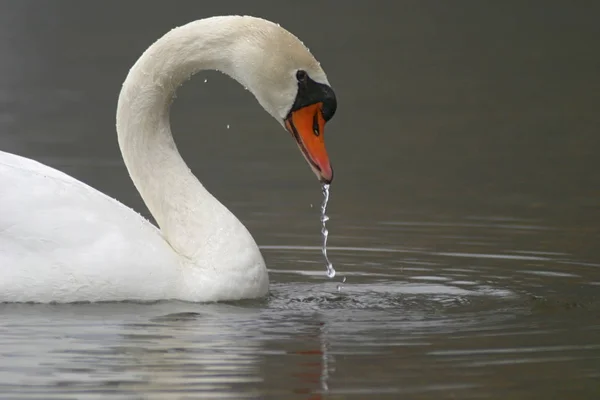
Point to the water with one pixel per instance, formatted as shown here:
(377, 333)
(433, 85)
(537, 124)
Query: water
(324, 231)
(466, 214)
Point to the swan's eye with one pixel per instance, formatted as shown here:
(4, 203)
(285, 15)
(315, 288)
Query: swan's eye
(301, 76)
(316, 125)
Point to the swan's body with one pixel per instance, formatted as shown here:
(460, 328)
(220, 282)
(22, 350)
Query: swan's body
(63, 241)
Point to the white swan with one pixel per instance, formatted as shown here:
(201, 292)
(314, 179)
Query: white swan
(63, 241)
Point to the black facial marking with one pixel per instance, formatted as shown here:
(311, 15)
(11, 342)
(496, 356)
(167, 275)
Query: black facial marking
(311, 92)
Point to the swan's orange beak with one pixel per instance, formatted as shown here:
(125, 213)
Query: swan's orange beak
(307, 126)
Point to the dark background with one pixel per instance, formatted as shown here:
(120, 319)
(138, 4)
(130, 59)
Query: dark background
(447, 110)
(444, 107)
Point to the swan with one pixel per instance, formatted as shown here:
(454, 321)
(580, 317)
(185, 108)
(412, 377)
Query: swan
(63, 241)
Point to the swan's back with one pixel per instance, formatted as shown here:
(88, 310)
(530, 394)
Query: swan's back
(61, 240)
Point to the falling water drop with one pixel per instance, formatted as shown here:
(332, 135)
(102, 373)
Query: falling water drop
(324, 231)
(205, 80)
(339, 286)
(227, 126)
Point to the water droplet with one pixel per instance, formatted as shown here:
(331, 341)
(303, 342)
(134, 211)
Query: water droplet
(205, 80)
(324, 231)
(227, 126)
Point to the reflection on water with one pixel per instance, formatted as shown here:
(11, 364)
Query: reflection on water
(432, 324)
(465, 214)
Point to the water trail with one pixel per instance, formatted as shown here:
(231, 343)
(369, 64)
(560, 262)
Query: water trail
(324, 231)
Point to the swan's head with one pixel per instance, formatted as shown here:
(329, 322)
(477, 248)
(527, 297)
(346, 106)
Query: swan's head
(290, 85)
(314, 105)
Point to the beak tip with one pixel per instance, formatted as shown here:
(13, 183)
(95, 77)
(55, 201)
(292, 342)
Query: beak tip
(326, 176)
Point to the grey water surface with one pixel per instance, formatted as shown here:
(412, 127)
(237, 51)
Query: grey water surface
(465, 212)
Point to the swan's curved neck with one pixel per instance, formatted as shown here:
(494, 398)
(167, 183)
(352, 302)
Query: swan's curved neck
(185, 211)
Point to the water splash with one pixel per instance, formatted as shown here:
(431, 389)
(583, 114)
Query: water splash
(324, 231)
(339, 286)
